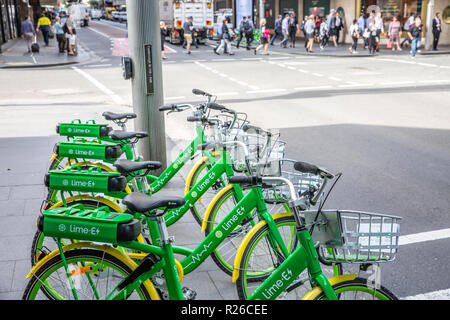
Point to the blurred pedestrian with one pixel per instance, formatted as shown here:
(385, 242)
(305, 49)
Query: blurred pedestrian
(309, 31)
(264, 37)
(323, 33)
(372, 29)
(163, 30)
(278, 31)
(28, 32)
(415, 35)
(60, 36)
(332, 26)
(408, 25)
(339, 26)
(293, 28)
(436, 30)
(285, 31)
(361, 27)
(44, 25)
(246, 31)
(71, 35)
(379, 24)
(188, 27)
(394, 33)
(225, 43)
(354, 32)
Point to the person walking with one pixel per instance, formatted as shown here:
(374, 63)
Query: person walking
(354, 32)
(323, 33)
(44, 25)
(332, 26)
(225, 41)
(163, 30)
(415, 35)
(264, 38)
(285, 31)
(188, 26)
(394, 33)
(71, 35)
(372, 29)
(28, 32)
(293, 28)
(60, 36)
(436, 30)
(309, 31)
(361, 27)
(339, 26)
(278, 31)
(379, 24)
(244, 31)
(408, 25)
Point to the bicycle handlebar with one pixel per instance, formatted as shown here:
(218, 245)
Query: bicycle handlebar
(199, 92)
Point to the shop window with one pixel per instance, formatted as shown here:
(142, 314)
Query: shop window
(446, 15)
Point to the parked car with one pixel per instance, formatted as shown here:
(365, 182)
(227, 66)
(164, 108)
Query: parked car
(122, 16)
(96, 14)
(115, 16)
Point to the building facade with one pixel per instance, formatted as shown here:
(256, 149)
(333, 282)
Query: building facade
(348, 9)
(10, 20)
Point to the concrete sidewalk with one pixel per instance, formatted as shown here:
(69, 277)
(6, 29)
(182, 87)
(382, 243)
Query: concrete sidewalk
(16, 55)
(23, 165)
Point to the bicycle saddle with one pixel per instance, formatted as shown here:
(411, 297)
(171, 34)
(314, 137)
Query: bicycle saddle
(125, 166)
(140, 202)
(118, 116)
(125, 135)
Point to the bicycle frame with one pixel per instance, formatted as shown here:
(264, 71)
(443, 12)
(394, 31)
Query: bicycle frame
(303, 257)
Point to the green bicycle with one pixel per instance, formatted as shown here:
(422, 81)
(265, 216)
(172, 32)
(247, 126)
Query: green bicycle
(96, 271)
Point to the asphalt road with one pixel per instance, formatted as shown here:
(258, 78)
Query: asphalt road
(382, 121)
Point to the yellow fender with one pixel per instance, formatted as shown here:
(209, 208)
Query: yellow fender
(246, 240)
(87, 197)
(211, 205)
(115, 253)
(317, 290)
(190, 176)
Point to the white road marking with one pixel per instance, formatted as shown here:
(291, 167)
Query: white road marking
(267, 90)
(398, 83)
(334, 78)
(303, 71)
(117, 99)
(424, 236)
(174, 98)
(317, 74)
(434, 81)
(435, 295)
(100, 33)
(312, 88)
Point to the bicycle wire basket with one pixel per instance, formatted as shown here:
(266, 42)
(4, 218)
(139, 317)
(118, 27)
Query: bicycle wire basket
(262, 148)
(279, 193)
(355, 236)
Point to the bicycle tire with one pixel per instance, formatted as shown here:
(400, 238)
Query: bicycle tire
(358, 285)
(195, 209)
(249, 281)
(223, 256)
(75, 257)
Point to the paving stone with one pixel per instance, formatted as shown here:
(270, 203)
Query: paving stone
(15, 247)
(11, 208)
(4, 193)
(27, 192)
(21, 269)
(6, 275)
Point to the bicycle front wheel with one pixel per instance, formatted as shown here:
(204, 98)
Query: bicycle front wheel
(259, 260)
(358, 289)
(94, 275)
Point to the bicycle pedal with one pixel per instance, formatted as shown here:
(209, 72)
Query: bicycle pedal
(189, 294)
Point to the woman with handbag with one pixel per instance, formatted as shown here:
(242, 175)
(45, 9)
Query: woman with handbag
(394, 34)
(225, 41)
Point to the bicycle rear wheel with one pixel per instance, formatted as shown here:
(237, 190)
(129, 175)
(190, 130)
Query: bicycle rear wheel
(94, 274)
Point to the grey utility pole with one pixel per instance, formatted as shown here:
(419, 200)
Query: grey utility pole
(429, 25)
(144, 38)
